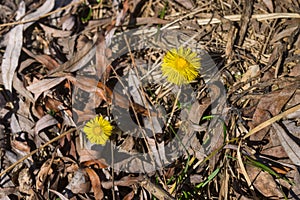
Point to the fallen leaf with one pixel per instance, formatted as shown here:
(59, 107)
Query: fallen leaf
(96, 184)
(44, 122)
(125, 181)
(45, 170)
(25, 182)
(44, 59)
(269, 4)
(78, 60)
(60, 195)
(129, 196)
(46, 7)
(264, 182)
(270, 103)
(287, 32)
(188, 4)
(53, 32)
(13, 50)
(290, 146)
(79, 183)
(44, 85)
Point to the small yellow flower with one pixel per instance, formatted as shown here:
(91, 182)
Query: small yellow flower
(180, 66)
(98, 130)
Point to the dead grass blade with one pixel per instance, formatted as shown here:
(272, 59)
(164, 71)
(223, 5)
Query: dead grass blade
(243, 169)
(272, 120)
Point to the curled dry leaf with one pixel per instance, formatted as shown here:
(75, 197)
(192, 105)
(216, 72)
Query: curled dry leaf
(43, 173)
(96, 184)
(129, 196)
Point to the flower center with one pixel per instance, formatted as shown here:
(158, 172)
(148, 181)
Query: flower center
(97, 130)
(181, 63)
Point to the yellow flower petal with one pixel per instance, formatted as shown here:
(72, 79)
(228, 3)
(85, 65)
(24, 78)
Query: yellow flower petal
(180, 66)
(98, 130)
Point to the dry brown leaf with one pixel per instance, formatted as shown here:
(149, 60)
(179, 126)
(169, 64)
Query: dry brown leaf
(25, 182)
(96, 184)
(79, 183)
(99, 163)
(129, 196)
(126, 181)
(295, 71)
(46, 7)
(20, 88)
(14, 124)
(252, 71)
(264, 183)
(44, 59)
(287, 32)
(13, 50)
(45, 170)
(52, 32)
(270, 103)
(60, 195)
(290, 146)
(188, 4)
(101, 58)
(5, 191)
(44, 85)
(79, 60)
(269, 4)
(44, 122)
(155, 190)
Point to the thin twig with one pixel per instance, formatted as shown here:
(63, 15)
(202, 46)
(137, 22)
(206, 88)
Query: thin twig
(36, 150)
(258, 17)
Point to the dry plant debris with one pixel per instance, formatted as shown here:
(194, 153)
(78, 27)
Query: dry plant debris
(232, 132)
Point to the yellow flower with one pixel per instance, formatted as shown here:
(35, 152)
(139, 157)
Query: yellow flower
(180, 66)
(98, 130)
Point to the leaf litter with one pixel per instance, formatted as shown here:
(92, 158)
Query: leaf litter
(58, 70)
